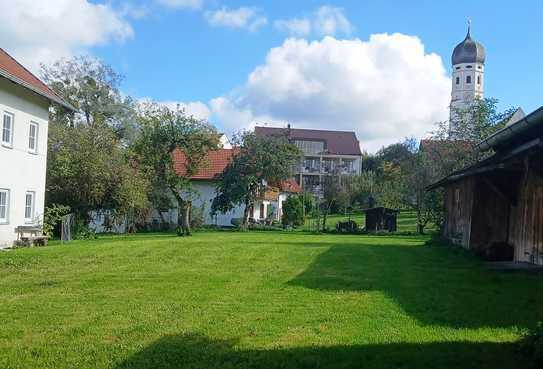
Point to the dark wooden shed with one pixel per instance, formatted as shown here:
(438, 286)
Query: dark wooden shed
(495, 207)
(381, 219)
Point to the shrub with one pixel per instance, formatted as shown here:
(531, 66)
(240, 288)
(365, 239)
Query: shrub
(52, 217)
(236, 222)
(532, 345)
(293, 213)
(197, 217)
(347, 227)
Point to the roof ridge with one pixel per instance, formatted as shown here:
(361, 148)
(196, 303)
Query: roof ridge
(39, 86)
(26, 69)
(308, 129)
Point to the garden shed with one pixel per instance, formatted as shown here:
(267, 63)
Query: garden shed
(381, 219)
(495, 207)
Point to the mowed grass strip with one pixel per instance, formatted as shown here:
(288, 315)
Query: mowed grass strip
(260, 300)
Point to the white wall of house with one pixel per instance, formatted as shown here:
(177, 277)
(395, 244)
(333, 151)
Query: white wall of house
(205, 193)
(22, 170)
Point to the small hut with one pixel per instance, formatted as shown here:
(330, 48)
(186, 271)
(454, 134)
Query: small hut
(381, 219)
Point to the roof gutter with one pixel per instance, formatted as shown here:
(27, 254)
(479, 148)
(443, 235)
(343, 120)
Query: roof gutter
(504, 134)
(49, 97)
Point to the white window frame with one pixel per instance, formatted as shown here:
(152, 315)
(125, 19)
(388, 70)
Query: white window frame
(5, 218)
(30, 219)
(11, 129)
(36, 135)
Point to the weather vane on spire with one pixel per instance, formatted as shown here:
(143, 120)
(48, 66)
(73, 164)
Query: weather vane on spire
(469, 25)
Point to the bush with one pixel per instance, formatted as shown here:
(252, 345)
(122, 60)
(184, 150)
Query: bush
(347, 227)
(293, 212)
(197, 217)
(236, 222)
(532, 345)
(52, 217)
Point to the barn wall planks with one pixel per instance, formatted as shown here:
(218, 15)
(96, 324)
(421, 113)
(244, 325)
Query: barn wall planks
(478, 215)
(490, 218)
(526, 229)
(458, 211)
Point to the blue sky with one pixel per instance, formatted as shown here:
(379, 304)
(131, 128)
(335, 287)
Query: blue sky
(184, 51)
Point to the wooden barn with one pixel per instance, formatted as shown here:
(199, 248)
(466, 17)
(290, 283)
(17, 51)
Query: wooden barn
(495, 207)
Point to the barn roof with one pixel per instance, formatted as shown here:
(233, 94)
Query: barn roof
(516, 139)
(336, 142)
(524, 130)
(15, 72)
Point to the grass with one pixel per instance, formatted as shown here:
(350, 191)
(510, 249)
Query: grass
(406, 222)
(260, 300)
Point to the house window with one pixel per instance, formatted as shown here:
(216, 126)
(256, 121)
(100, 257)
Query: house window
(262, 215)
(7, 130)
(4, 206)
(29, 206)
(33, 138)
(457, 80)
(468, 79)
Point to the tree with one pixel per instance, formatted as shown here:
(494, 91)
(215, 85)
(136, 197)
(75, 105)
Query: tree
(92, 87)
(293, 212)
(162, 133)
(88, 166)
(260, 160)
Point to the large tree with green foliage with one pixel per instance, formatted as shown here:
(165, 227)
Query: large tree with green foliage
(88, 165)
(260, 160)
(162, 131)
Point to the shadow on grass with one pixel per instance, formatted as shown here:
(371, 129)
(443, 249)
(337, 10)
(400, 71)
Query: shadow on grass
(434, 284)
(198, 352)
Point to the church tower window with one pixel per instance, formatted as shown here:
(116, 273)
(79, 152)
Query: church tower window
(478, 80)
(457, 80)
(468, 79)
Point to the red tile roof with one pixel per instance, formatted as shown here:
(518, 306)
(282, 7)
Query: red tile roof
(17, 73)
(214, 163)
(290, 186)
(336, 142)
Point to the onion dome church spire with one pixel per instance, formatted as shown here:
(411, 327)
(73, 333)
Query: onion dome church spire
(468, 63)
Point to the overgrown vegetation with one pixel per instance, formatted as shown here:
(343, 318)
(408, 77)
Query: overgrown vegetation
(293, 212)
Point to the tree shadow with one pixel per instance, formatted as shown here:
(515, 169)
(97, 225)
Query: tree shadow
(434, 284)
(199, 352)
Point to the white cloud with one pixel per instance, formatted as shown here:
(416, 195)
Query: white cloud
(197, 109)
(45, 31)
(384, 89)
(181, 4)
(325, 21)
(244, 17)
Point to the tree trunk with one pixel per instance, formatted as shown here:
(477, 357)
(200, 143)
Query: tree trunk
(246, 213)
(183, 216)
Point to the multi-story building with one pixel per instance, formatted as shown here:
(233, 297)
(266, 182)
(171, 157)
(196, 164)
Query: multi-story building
(325, 153)
(24, 115)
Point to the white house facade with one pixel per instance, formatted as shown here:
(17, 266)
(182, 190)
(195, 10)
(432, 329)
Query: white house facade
(24, 112)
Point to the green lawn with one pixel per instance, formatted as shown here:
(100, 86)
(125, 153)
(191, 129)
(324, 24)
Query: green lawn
(260, 300)
(407, 221)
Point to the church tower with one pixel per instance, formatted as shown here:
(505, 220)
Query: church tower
(468, 62)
